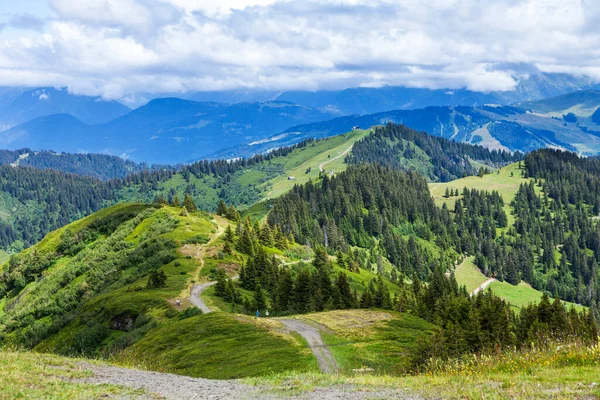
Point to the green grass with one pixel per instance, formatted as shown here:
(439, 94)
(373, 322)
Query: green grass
(501, 181)
(52, 240)
(379, 342)
(564, 373)
(323, 151)
(220, 346)
(469, 275)
(26, 375)
(522, 294)
(518, 296)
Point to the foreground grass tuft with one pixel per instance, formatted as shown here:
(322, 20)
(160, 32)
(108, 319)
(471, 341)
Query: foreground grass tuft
(559, 373)
(42, 376)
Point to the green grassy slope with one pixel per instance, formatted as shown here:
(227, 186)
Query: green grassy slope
(468, 275)
(556, 373)
(507, 181)
(103, 306)
(376, 342)
(94, 300)
(563, 373)
(221, 346)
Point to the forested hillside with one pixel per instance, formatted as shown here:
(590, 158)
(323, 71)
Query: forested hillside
(99, 166)
(438, 159)
(378, 220)
(48, 199)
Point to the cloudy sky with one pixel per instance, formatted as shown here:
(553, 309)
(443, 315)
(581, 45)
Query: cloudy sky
(113, 48)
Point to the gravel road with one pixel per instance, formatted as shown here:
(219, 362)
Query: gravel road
(323, 164)
(196, 296)
(482, 286)
(158, 385)
(315, 342)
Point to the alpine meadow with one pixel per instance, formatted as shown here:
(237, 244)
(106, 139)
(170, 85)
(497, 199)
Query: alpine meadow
(314, 200)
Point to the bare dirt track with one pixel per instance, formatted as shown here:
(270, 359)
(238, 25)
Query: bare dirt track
(315, 342)
(482, 286)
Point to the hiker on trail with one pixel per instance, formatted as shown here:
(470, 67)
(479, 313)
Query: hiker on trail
(178, 302)
(257, 313)
(267, 313)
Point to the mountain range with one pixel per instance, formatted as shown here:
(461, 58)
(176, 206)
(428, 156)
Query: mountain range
(176, 131)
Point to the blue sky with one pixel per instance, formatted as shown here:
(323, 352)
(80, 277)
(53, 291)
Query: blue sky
(37, 7)
(116, 48)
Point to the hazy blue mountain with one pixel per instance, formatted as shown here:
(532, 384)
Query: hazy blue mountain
(165, 131)
(582, 103)
(18, 106)
(531, 86)
(497, 127)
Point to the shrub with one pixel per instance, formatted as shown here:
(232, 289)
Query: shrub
(157, 279)
(189, 312)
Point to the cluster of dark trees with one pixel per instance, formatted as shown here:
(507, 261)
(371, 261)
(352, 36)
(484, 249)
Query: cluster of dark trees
(396, 146)
(485, 322)
(46, 197)
(48, 200)
(555, 242)
(250, 238)
(375, 207)
(310, 289)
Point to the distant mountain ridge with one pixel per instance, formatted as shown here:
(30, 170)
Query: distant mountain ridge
(368, 100)
(182, 130)
(522, 127)
(99, 166)
(165, 131)
(18, 106)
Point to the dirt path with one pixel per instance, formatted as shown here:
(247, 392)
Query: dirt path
(196, 296)
(315, 342)
(483, 286)
(322, 165)
(168, 386)
(199, 253)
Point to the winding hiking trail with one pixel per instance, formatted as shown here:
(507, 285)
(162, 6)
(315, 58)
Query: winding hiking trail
(322, 165)
(196, 296)
(310, 333)
(315, 342)
(199, 252)
(483, 286)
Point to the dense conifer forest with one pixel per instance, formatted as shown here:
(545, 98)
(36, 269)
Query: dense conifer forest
(61, 188)
(439, 159)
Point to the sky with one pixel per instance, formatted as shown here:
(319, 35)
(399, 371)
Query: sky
(116, 48)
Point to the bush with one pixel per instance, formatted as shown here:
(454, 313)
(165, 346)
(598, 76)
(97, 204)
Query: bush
(189, 312)
(87, 340)
(157, 279)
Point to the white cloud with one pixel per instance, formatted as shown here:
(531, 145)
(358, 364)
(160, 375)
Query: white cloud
(115, 48)
(43, 97)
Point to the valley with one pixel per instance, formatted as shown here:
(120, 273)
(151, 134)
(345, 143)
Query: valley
(170, 288)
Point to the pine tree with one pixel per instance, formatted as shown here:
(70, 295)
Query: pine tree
(221, 208)
(189, 204)
(266, 237)
(260, 300)
(229, 234)
(221, 284)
